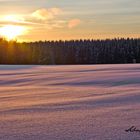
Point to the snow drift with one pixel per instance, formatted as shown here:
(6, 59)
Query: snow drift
(91, 102)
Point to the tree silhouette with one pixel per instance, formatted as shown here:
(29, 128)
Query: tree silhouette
(109, 51)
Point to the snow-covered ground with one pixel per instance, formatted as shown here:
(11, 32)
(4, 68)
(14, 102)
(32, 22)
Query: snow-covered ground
(96, 102)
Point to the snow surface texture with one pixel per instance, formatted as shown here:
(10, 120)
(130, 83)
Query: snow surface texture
(96, 102)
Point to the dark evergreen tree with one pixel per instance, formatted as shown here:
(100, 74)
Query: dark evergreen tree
(71, 52)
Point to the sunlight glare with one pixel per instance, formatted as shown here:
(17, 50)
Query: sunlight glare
(11, 31)
(13, 18)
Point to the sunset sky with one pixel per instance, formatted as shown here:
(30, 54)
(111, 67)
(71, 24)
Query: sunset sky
(33, 20)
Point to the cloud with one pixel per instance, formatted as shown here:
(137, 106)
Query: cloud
(74, 23)
(46, 14)
(40, 19)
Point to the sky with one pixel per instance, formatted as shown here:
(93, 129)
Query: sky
(69, 19)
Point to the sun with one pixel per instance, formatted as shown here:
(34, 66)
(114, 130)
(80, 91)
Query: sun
(10, 32)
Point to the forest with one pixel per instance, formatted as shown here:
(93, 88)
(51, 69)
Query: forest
(108, 51)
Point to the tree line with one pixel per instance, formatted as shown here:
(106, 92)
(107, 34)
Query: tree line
(109, 51)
